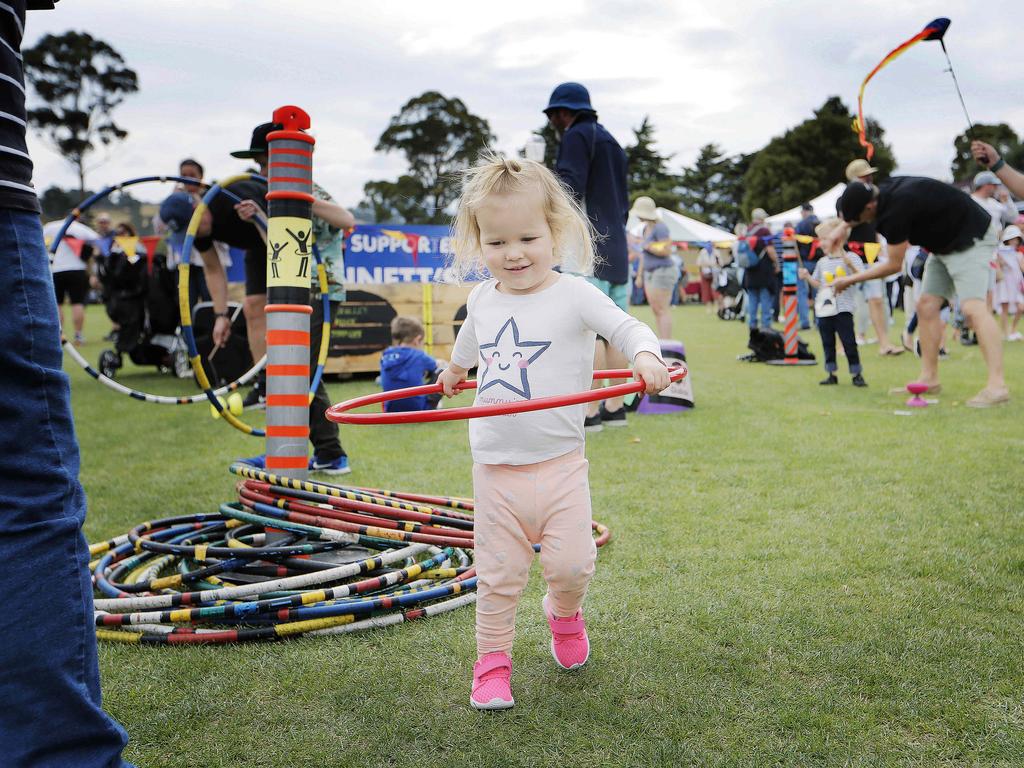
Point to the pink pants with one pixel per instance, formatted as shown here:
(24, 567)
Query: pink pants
(547, 503)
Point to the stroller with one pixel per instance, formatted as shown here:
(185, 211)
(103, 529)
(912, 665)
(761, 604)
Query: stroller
(734, 298)
(140, 296)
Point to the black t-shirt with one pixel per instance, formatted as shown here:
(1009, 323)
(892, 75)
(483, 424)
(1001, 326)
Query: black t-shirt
(227, 227)
(936, 216)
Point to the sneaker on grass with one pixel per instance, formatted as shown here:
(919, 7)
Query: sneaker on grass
(259, 462)
(255, 399)
(492, 682)
(570, 645)
(338, 466)
(593, 423)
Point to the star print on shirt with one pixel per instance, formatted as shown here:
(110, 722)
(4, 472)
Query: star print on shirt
(507, 358)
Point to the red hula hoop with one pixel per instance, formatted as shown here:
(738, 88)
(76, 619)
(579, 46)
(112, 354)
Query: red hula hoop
(340, 413)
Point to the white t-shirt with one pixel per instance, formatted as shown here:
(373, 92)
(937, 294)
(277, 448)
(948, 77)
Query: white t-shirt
(65, 259)
(537, 345)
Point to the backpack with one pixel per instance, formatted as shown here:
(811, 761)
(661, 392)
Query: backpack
(746, 256)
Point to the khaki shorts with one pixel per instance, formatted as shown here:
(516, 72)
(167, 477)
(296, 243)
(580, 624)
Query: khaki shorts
(963, 274)
(662, 278)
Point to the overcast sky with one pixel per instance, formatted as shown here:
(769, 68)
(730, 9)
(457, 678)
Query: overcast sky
(734, 72)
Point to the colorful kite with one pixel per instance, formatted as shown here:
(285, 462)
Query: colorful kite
(934, 31)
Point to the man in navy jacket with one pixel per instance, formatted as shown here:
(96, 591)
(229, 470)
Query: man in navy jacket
(593, 165)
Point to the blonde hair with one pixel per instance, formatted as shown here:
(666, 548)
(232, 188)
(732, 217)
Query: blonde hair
(827, 226)
(571, 230)
(404, 329)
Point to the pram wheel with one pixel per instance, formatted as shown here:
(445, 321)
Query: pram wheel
(110, 362)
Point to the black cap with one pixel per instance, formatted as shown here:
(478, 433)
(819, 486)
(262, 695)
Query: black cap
(258, 142)
(806, 207)
(854, 199)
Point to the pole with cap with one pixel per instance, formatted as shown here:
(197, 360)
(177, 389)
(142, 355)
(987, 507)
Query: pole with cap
(791, 342)
(289, 263)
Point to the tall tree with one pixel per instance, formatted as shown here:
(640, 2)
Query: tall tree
(711, 190)
(648, 169)
(438, 136)
(80, 80)
(1000, 136)
(810, 158)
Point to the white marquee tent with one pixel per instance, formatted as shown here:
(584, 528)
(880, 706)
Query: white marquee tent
(824, 206)
(682, 227)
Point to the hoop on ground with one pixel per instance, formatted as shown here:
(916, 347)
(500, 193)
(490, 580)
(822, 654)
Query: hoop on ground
(340, 412)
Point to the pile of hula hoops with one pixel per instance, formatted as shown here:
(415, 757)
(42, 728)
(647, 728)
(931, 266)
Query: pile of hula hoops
(289, 558)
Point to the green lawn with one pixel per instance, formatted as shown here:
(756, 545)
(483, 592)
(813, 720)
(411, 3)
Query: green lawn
(797, 576)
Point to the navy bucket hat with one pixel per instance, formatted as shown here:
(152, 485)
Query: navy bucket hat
(571, 96)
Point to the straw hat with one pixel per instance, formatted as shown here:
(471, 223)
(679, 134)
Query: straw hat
(644, 208)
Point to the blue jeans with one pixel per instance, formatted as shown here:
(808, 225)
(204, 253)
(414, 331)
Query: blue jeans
(802, 290)
(50, 682)
(759, 297)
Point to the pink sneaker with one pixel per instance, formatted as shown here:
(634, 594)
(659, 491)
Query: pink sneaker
(491, 687)
(569, 643)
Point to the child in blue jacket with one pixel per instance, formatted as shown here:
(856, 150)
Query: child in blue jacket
(406, 365)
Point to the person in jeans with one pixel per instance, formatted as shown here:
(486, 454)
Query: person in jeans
(760, 281)
(50, 683)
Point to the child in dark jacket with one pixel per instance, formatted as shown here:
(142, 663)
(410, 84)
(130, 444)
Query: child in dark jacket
(406, 365)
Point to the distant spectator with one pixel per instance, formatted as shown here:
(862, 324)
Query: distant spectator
(406, 365)
(707, 264)
(70, 272)
(657, 273)
(808, 255)
(760, 281)
(1008, 296)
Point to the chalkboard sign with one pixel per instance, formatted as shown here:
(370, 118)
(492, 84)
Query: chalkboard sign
(362, 325)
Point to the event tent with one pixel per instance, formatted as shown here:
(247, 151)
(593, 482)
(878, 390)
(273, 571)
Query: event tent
(824, 206)
(683, 228)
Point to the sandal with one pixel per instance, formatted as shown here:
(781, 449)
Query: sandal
(988, 399)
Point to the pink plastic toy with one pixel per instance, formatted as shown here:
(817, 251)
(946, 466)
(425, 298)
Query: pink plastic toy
(917, 388)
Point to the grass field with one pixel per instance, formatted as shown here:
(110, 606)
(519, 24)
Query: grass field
(797, 576)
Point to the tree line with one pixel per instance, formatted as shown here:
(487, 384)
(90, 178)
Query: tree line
(78, 80)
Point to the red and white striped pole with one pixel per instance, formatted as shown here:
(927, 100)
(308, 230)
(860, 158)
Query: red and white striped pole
(289, 267)
(791, 343)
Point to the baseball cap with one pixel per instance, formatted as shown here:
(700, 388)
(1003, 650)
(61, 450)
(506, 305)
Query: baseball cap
(856, 196)
(572, 96)
(985, 177)
(858, 168)
(176, 212)
(258, 142)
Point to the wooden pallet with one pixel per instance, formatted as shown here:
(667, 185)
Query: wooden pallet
(362, 329)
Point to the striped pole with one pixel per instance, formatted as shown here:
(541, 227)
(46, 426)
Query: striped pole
(789, 278)
(289, 266)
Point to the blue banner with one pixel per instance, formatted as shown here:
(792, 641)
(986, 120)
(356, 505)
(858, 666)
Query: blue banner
(397, 253)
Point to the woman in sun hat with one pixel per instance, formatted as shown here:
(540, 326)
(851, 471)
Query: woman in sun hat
(656, 272)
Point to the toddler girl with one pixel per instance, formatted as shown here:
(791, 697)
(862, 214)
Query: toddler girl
(530, 331)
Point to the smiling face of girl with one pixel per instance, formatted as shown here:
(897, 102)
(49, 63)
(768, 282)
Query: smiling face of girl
(516, 241)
